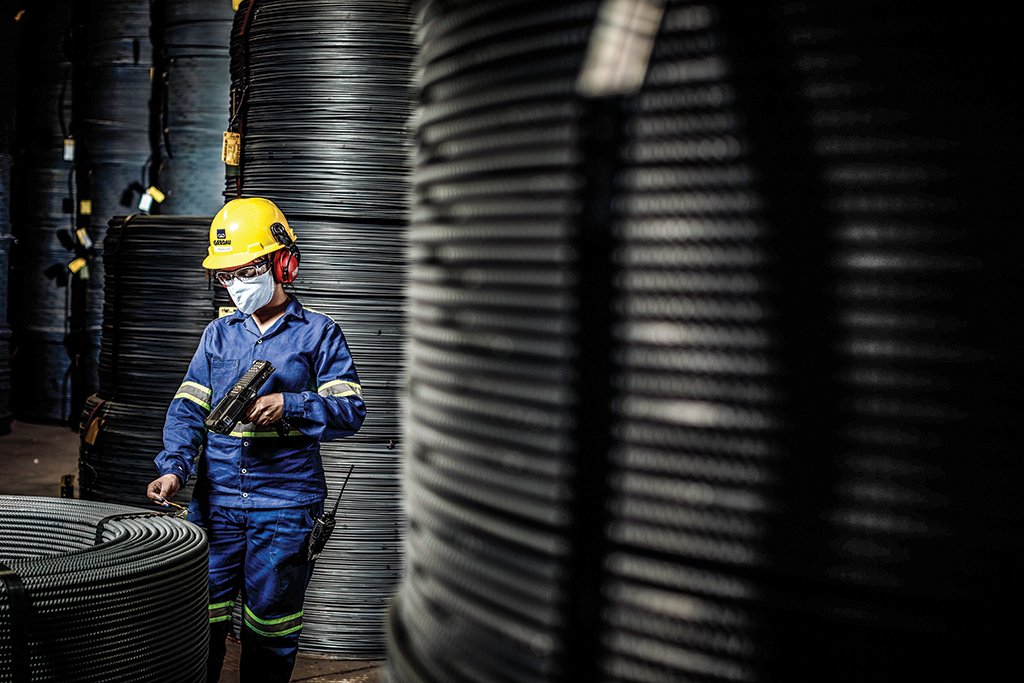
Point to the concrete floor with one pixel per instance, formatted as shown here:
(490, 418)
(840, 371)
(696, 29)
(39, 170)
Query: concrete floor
(33, 461)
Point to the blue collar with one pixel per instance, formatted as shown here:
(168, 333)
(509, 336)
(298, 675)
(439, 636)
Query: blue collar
(293, 311)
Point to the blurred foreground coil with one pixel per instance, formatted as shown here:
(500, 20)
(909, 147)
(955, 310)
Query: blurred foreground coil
(713, 380)
(96, 592)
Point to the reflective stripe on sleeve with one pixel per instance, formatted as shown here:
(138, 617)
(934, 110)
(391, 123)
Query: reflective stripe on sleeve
(340, 387)
(196, 393)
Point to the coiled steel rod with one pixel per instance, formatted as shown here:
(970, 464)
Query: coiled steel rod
(98, 592)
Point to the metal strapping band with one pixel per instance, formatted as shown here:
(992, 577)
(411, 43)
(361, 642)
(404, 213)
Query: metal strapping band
(18, 599)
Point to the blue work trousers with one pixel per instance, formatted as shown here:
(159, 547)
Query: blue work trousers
(260, 554)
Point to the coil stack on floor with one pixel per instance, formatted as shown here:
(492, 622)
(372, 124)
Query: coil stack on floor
(42, 210)
(322, 96)
(91, 598)
(112, 93)
(191, 58)
(157, 305)
(711, 381)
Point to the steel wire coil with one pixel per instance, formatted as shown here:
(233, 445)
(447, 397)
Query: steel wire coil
(191, 47)
(5, 193)
(112, 94)
(793, 292)
(338, 144)
(322, 98)
(153, 275)
(41, 325)
(117, 463)
(493, 315)
(42, 217)
(5, 332)
(91, 575)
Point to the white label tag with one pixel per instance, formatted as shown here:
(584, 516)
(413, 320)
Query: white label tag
(69, 149)
(145, 203)
(620, 47)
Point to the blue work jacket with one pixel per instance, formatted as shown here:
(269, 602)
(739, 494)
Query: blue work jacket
(255, 467)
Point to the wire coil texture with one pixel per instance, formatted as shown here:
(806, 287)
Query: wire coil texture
(322, 97)
(84, 593)
(112, 120)
(42, 213)
(704, 377)
(5, 330)
(158, 302)
(191, 60)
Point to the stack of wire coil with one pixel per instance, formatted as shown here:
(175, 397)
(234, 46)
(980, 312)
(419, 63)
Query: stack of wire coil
(713, 381)
(42, 213)
(5, 330)
(112, 117)
(8, 79)
(322, 98)
(494, 316)
(158, 302)
(191, 56)
(99, 592)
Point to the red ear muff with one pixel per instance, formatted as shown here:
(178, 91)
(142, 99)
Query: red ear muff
(286, 264)
(286, 261)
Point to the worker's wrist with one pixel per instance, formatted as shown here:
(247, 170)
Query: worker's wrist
(294, 404)
(182, 477)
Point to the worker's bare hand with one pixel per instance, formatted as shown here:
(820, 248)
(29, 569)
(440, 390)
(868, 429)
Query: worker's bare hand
(163, 488)
(266, 410)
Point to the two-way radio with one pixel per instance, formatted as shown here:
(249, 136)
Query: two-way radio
(324, 525)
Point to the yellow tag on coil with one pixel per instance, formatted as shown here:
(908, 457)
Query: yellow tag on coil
(235, 4)
(77, 264)
(83, 237)
(231, 152)
(85, 207)
(156, 194)
(93, 431)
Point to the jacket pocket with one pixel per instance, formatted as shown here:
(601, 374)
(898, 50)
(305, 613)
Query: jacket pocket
(224, 372)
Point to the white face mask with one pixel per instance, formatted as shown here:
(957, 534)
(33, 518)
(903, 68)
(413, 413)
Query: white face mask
(252, 295)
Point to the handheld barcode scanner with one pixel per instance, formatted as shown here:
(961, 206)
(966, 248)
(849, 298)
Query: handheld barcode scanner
(324, 525)
(231, 409)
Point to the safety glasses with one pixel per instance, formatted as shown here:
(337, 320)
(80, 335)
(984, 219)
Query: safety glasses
(226, 277)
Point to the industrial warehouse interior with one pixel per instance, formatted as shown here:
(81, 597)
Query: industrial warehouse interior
(509, 341)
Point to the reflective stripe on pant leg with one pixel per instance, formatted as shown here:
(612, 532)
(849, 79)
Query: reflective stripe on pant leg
(276, 576)
(221, 611)
(271, 628)
(225, 533)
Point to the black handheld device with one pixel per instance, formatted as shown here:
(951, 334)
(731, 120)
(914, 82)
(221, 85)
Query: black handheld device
(231, 409)
(324, 525)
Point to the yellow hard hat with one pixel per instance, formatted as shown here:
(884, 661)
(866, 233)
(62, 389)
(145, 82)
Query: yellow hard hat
(244, 230)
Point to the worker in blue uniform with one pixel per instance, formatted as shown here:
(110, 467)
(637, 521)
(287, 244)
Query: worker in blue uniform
(259, 489)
